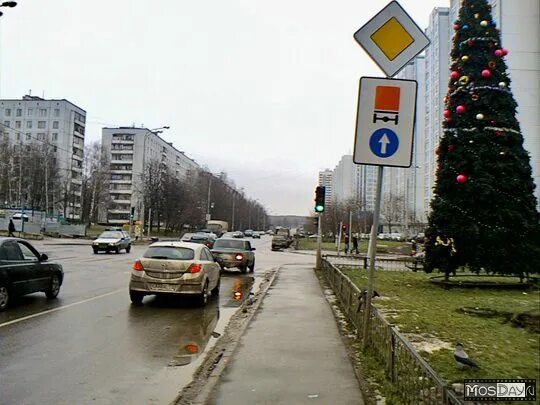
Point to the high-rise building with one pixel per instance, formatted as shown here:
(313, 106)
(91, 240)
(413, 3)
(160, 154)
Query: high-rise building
(325, 179)
(436, 85)
(520, 34)
(59, 124)
(131, 150)
(407, 184)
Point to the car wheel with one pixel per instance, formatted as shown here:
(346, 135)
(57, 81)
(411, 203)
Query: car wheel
(95, 251)
(128, 249)
(252, 267)
(136, 297)
(215, 291)
(117, 250)
(244, 269)
(202, 298)
(54, 287)
(4, 297)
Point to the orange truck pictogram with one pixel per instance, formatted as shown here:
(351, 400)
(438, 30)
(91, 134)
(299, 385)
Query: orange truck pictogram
(386, 104)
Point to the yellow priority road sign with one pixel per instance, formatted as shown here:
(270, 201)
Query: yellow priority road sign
(391, 38)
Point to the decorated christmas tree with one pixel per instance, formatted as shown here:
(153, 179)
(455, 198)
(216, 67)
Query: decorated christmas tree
(483, 213)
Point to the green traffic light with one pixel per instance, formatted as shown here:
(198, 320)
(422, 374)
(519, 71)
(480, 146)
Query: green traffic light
(319, 208)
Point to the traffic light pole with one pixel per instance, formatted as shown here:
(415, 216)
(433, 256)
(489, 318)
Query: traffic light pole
(319, 241)
(372, 252)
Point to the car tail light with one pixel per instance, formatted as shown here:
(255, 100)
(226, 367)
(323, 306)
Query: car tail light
(192, 348)
(237, 295)
(209, 244)
(194, 268)
(239, 257)
(137, 266)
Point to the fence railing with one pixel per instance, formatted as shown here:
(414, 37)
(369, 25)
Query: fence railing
(389, 263)
(415, 382)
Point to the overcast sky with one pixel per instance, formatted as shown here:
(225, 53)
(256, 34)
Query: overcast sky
(264, 90)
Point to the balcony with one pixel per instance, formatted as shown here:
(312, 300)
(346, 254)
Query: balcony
(77, 157)
(122, 161)
(122, 142)
(120, 191)
(120, 181)
(120, 211)
(122, 201)
(76, 181)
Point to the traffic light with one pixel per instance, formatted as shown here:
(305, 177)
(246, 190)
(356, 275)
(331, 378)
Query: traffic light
(132, 215)
(320, 192)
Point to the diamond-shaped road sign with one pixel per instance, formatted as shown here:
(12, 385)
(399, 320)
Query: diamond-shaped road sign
(391, 38)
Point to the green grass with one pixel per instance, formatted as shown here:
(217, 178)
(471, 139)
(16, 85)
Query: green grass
(418, 306)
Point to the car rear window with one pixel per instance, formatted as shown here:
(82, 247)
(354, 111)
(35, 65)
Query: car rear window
(169, 253)
(111, 235)
(229, 244)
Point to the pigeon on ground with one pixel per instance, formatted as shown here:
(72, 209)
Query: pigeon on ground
(462, 359)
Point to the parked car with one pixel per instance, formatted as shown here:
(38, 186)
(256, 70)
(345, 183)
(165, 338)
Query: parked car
(238, 235)
(23, 270)
(204, 238)
(112, 241)
(256, 235)
(228, 235)
(175, 268)
(234, 253)
(20, 216)
(248, 233)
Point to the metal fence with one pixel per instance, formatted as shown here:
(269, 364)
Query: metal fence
(415, 382)
(52, 228)
(388, 263)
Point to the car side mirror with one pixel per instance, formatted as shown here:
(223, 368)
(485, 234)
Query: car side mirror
(253, 249)
(43, 257)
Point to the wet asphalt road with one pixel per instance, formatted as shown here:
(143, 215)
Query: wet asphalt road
(92, 346)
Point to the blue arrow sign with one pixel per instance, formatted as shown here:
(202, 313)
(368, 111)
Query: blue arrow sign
(384, 142)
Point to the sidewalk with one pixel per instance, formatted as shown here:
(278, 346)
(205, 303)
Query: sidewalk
(292, 352)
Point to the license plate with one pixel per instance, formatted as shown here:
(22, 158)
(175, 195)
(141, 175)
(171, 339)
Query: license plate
(162, 287)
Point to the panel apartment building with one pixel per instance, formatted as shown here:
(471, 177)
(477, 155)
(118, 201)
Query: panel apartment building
(61, 124)
(130, 151)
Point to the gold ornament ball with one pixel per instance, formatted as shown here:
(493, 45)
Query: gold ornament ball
(484, 23)
(463, 80)
(480, 116)
(464, 58)
(477, 16)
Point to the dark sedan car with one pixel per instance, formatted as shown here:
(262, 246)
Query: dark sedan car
(23, 270)
(202, 238)
(234, 253)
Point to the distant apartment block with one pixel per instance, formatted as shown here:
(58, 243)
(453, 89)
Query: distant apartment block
(59, 123)
(325, 179)
(131, 150)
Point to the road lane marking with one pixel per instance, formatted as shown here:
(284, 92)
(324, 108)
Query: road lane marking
(24, 318)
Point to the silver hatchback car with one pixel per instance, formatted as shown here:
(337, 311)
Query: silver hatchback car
(175, 268)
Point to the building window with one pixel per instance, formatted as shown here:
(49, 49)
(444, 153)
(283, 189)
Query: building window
(19, 112)
(41, 136)
(18, 137)
(6, 124)
(55, 124)
(8, 112)
(57, 112)
(54, 149)
(30, 112)
(55, 136)
(28, 124)
(17, 124)
(42, 112)
(28, 136)
(42, 124)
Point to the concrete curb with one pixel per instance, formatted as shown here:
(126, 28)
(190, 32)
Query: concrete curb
(222, 359)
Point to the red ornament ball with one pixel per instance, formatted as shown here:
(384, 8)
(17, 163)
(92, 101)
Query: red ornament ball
(460, 109)
(447, 113)
(451, 148)
(499, 53)
(486, 73)
(438, 151)
(470, 43)
(457, 27)
(454, 75)
(462, 178)
(505, 51)
(498, 133)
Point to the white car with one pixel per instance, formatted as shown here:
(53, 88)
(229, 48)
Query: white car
(18, 216)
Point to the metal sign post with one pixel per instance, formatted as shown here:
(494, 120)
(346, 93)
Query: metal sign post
(319, 241)
(386, 111)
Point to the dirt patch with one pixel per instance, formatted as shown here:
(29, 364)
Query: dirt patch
(425, 342)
